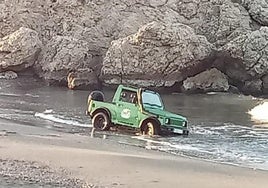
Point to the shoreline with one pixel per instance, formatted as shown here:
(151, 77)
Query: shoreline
(105, 163)
(112, 87)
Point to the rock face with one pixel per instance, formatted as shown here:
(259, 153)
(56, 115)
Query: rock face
(19, 50)
(82, 79)
(99, 22)
(253, 86)
(258, 9)
(249, 58)
(211, 80)
(76, 34)
(265, 83)
(64, 54)
(8, 75)
(161, 52)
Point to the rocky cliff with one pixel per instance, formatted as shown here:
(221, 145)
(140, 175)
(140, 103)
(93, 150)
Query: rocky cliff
(157, 43)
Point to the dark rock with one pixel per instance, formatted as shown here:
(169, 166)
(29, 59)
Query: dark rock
(245, 60)
(253, 87)
(265, 84)
(211, 80)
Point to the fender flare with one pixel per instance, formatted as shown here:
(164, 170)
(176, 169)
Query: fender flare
(152, 118)
(105, 110)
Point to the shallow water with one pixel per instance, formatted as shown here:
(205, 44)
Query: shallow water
(221, 129)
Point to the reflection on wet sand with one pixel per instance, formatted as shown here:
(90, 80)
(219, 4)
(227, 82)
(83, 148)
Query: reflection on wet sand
(259, 114)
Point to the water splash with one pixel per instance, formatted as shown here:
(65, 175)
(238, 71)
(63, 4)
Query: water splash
(228, 144)
(50, 116)
(259, 114)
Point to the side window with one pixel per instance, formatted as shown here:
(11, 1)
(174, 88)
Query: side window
(133, 98)
(128, 96)
(123, 96)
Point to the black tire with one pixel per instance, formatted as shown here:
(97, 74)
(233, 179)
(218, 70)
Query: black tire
(185, 133)
(150, 128)
(101, 121)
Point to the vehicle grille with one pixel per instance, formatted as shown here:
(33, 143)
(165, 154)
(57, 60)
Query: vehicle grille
(175, 122)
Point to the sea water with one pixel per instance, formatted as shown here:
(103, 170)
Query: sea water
(224, 128)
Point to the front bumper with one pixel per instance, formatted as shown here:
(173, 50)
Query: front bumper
(176, 130)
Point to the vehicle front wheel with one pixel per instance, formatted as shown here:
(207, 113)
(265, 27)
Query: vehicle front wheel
(150, 128)
(101, 121)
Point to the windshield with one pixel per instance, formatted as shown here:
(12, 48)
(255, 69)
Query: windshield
(151, 100)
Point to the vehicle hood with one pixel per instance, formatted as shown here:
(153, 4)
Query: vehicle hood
(164, 113)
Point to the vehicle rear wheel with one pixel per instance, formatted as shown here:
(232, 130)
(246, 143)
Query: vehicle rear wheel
(150, 128)
(101, 121)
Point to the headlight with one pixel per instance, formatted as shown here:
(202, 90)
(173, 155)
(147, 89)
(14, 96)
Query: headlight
(167, 121)
(184, 124)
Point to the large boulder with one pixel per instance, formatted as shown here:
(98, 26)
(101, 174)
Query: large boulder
(258, 10)
(159, 54)
(253, 86)
(245, 59)
(19, 50)
(63, 55)
(210, 80)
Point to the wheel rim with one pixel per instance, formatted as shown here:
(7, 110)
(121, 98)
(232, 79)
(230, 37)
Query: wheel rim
(100, 122)
(150, 129)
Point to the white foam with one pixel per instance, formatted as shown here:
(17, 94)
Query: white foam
(48, 111)
(259, 113)
(211, 93)
(165, 146)
(224, 153)
(31, 95)
(205, 130)
(59, 119)
(10, 95)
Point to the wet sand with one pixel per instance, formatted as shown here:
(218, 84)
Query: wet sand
(97, 162)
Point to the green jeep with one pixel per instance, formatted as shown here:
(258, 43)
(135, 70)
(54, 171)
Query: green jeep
(141, 109)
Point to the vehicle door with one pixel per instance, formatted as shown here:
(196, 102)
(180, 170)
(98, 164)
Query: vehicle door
(127, 108)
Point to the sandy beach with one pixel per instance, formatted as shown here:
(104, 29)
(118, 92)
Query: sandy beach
(81, 161)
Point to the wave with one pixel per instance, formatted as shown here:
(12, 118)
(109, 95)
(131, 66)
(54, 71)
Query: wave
(31, 95)
(259, 114)
(48, 115)
(227, 144)
(164, 145)
(10, 95)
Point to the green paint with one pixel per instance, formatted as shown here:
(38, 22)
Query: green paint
(131, 106)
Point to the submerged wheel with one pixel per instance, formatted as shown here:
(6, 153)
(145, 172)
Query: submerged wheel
(150, 128)
(101, 121)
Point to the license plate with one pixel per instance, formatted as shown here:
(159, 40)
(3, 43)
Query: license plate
(178, 131)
